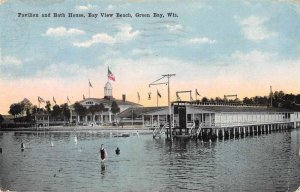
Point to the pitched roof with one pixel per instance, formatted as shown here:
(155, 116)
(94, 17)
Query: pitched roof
(109, 101)
(138, 111)
(221, 109)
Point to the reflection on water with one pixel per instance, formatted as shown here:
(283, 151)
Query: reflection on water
(70, 161)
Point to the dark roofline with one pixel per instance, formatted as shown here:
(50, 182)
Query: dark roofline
(104, 100)
(138, 111)
(220, 109)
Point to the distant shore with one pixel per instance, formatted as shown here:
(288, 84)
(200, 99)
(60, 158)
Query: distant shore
(114, 129)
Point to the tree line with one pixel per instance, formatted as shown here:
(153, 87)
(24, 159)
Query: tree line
(278, 99)
(24, 111)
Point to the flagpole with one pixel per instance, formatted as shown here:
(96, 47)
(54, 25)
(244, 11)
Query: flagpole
(157, 98)
(89, 90)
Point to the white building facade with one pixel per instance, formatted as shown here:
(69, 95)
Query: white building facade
(105, 117)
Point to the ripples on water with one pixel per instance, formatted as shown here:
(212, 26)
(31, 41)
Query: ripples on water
(260, 163)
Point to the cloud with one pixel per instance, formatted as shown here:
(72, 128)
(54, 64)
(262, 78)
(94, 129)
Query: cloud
(125, 33)
(110, 7)
(254, 57)
(254, 29)
(62, 70)
(2, 1)
(174, 28)
(62, 31)
(142, 52)
(85, 7)
(97, 38)
(201, 40)
(10, 60)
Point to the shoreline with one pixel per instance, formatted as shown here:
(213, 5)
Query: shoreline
(108, 129)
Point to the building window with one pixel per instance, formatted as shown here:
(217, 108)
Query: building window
(89, 103)
(189, 117)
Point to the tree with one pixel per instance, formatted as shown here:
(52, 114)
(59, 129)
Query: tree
(56, 111)
(28, 115)
(100, 107)
(204, 99)
(115, 108)
(26, 105)
(93, 109)
(96, 108)
(48, 106)
(65, 111)
(15, 109)
(247, 101)
(219, 100)
(1, 119)
(80, 109)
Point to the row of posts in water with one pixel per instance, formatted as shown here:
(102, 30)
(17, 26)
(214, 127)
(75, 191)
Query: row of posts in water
(213, 134)
(236, 132)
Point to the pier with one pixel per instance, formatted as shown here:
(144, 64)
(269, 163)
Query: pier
(210, 122)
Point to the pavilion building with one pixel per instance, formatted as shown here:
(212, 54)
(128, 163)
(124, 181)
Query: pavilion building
(105, 117)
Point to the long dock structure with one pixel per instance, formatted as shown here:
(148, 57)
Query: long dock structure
(214, 121)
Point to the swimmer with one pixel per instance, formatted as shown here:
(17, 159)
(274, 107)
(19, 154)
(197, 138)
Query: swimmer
(118, 151)
(103, 153)
(22, 146)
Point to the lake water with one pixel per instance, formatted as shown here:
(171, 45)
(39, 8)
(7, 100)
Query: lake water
(260, 163)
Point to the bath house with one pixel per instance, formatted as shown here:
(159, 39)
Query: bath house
(218, 120)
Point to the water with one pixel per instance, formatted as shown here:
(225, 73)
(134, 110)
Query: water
(260, 163)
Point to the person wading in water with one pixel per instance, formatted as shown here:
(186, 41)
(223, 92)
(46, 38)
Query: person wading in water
(103, 153)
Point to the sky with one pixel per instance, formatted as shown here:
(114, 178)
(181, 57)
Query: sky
(218, 47)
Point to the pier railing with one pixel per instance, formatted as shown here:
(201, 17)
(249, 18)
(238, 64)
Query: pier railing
(195, 103)
(160, 130)
(245, 123)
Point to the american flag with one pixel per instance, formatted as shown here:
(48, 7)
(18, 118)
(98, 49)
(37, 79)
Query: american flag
(110, 75)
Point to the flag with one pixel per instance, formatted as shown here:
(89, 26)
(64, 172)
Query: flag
(158, 94)
(149, 96)
(90, 84)
(68, 100)
(110, 75)
(54, 100)
(139, 98)
(41, 100)
(178, 98)
(83, 96)
(197, 92)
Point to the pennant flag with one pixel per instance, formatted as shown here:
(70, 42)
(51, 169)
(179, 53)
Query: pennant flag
(149, 96)
(110, 75)
(54, 100)
(178, 98)
(197, 92)
(83, 96)
(90, 84)
(68, 100)
(158, 94)
(138, 95)
(41, 100)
